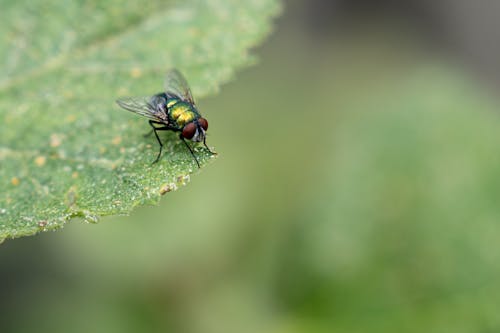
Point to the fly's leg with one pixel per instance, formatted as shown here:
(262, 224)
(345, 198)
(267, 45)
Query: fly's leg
(151, 122)
(190, 150)
(205, 143)
(155, 129)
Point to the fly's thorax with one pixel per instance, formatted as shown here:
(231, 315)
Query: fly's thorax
(171, 102)
(182, 113)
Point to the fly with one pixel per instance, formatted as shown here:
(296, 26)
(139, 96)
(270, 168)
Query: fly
(172, 110)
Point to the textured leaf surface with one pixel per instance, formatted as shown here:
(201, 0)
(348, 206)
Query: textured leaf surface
(66, 149)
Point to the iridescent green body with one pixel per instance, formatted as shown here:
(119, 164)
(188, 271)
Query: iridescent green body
(180, 112)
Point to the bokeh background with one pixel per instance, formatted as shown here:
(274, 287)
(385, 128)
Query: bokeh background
(357, 189)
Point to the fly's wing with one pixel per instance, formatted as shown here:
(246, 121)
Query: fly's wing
(144, 106)
(176, 84)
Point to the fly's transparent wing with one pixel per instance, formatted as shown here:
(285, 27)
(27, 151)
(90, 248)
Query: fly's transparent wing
(176, 84)
(144, 106)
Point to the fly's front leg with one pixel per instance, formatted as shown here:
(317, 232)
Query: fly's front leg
(190, 150)
(205, 143)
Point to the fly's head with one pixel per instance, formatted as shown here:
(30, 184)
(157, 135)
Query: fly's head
(195, 130)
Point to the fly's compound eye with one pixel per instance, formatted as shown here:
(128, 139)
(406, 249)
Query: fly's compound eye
(189, 130)
(203, 123)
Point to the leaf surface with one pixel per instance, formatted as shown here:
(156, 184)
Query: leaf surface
(66, 149)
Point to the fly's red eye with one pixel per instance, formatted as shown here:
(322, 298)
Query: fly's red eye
(189, 130)
(203, 123)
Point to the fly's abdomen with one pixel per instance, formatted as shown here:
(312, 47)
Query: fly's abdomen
(182, 113)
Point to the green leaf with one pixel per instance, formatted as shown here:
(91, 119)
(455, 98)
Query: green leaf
(66, 149)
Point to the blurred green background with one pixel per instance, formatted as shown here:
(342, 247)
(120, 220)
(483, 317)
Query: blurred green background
(357, 189)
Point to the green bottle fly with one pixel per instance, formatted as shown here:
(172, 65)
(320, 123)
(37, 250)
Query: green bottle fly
(172, 110)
